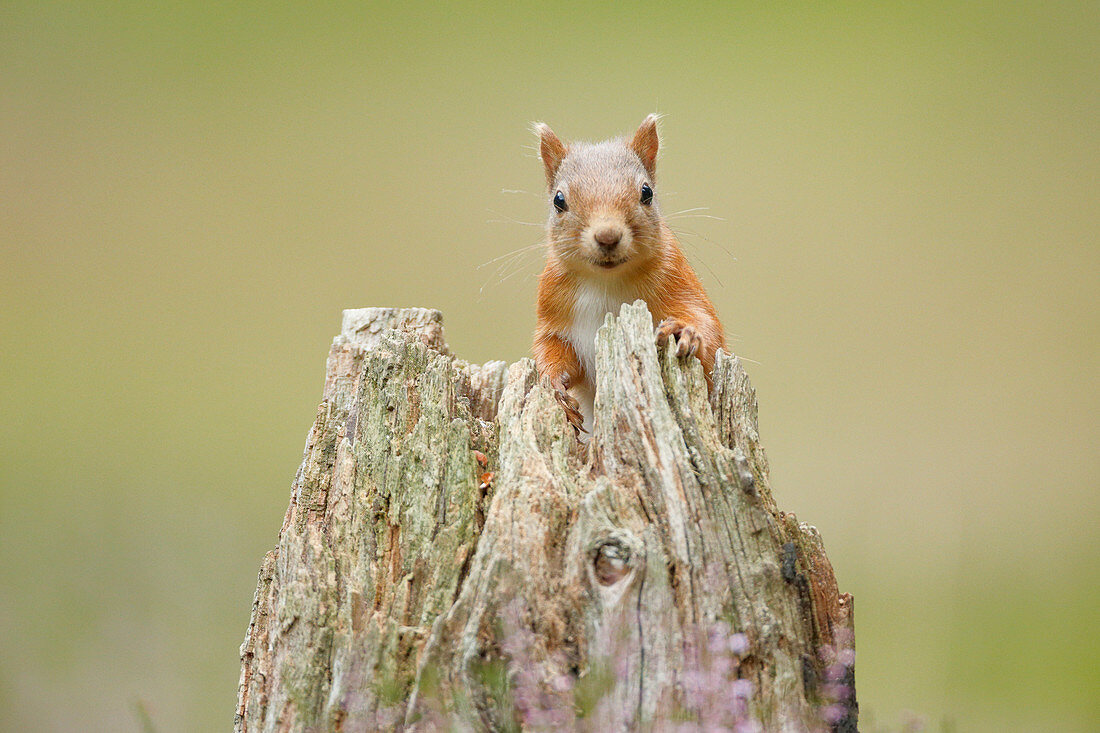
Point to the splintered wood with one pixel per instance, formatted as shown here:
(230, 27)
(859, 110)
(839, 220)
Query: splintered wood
(453, 557)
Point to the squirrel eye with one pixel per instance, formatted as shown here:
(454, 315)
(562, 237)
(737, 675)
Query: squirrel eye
(647, 194)
(559, 201)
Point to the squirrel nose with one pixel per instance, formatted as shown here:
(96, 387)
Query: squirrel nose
(608, 238)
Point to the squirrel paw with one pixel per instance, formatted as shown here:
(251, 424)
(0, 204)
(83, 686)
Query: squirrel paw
(688, 340)
(568, 402)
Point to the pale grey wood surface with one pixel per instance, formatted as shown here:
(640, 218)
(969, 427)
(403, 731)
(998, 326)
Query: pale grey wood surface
(399, 555)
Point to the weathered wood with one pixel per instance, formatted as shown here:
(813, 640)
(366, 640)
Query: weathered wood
(407, 570)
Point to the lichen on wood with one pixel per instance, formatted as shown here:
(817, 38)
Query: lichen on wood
(440, 503)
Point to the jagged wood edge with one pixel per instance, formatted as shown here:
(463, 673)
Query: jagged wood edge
(540, 441)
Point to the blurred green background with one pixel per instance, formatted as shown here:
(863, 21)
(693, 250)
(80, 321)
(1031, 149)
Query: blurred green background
(908, 250)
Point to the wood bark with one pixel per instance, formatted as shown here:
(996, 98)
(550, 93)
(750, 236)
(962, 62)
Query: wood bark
(442, 506)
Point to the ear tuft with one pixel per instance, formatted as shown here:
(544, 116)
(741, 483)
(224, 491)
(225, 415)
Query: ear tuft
(551, 150)
(645, 142)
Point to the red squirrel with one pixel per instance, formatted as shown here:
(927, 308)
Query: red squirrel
(608, 245)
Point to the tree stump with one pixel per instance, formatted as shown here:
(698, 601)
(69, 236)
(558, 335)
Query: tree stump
(453, 557)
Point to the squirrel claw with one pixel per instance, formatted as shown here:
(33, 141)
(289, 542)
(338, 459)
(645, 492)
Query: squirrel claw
(688, 340)
(572, 411)
(568, 403)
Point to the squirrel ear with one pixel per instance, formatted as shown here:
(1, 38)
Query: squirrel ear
(551, 150)
(645, 142)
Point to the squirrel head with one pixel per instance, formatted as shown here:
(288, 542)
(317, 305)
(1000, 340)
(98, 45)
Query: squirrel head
(603, 209)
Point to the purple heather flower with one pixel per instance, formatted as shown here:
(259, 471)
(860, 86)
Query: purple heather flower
(836, 672)
(834, 713)
(836, 691)
(720, 666)
(717, 637)
(742, 689)
(562, 683)
(739, 644)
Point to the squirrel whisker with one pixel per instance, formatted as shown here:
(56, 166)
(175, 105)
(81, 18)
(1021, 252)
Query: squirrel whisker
(607, 244)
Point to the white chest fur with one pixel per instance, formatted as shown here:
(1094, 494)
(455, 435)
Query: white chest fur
(594, 300)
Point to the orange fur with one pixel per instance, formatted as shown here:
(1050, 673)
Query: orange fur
(600, 184)
(556, 359)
